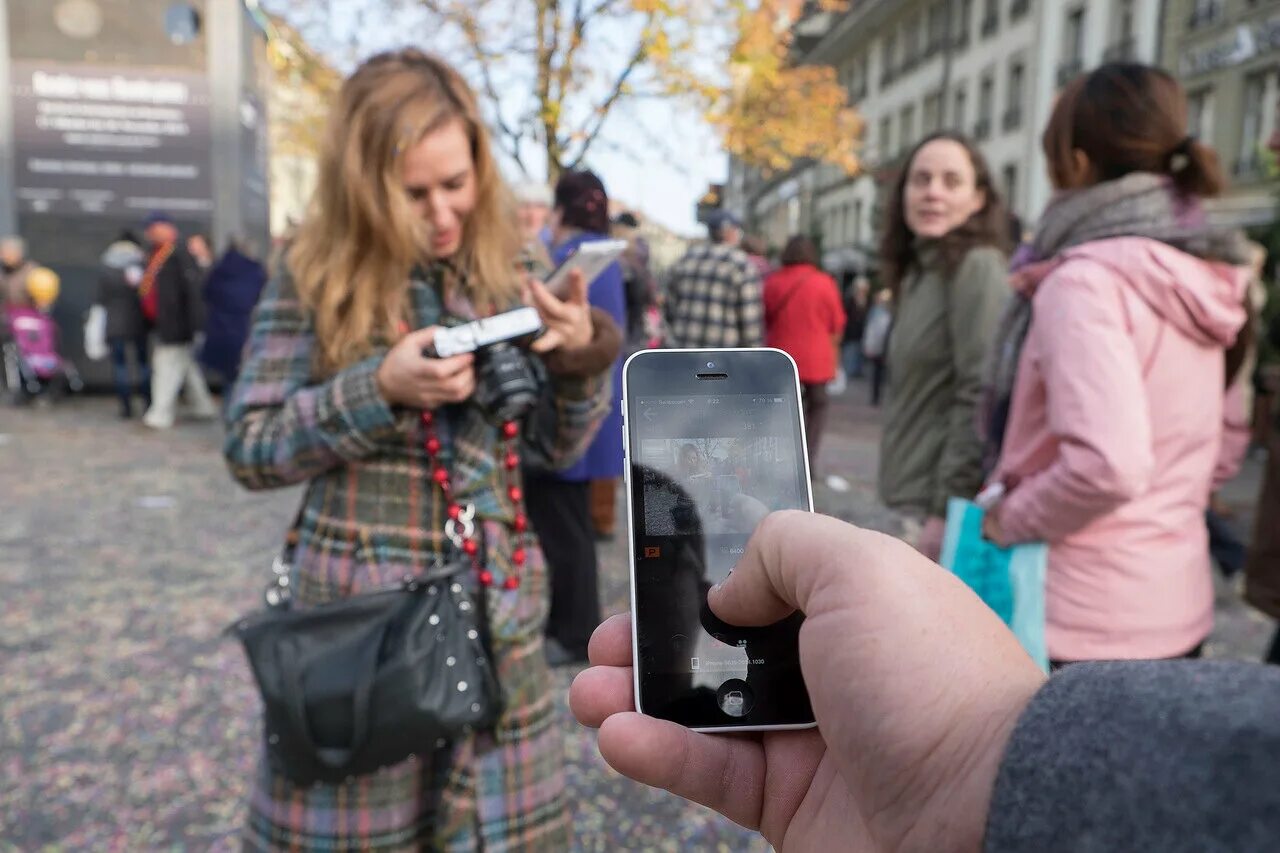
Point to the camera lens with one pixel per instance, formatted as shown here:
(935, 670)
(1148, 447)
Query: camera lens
(711, 364)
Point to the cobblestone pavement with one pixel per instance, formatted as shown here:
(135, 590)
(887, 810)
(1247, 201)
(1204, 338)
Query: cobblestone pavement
(127, 723)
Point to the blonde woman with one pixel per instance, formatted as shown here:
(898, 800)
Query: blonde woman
(411, 230)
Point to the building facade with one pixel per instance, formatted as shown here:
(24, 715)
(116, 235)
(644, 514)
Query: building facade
(1227, 53)
(988, 68)
(110, 109)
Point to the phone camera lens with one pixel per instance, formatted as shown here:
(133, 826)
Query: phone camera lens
(711, 364)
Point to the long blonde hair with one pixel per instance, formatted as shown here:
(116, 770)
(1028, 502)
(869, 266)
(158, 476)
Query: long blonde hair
(352, 257)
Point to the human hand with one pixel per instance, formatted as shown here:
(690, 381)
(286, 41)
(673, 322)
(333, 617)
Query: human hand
(915, 683)
(408, 378)
(568, 320)
(992, 531)
(930, 542)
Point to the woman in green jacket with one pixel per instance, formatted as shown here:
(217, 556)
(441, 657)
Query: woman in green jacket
(943, 254)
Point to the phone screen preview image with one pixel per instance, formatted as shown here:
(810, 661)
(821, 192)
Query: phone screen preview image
(705, 470)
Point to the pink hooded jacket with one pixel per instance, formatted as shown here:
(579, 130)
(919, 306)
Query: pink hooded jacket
(1114, 434)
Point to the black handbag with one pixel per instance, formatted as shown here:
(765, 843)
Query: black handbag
(358, 684)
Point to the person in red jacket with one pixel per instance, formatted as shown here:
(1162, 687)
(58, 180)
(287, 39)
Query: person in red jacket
(803, 317)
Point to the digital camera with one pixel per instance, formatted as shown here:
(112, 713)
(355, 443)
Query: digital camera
(506, 387)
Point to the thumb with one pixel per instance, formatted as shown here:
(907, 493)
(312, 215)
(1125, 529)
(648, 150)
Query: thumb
(793, 562)
(421, 339)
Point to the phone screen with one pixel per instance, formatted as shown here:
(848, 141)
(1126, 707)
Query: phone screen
(708, 460)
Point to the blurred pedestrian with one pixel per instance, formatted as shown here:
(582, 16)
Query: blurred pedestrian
(644, 316)
(171, 301)
(231, 291)
(127, 329)
(1262, 566)
(875, 339)
(563, 504)
(804, 318)
(943, 256)
(714, 293)
(200, 251)
(857, 302)
(533, 210)
(14, 268)
(755, 247)
(1226, 545)
(413, 230)
(1115, 358)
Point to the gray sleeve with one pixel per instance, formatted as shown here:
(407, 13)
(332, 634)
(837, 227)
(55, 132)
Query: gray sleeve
(1153, 755)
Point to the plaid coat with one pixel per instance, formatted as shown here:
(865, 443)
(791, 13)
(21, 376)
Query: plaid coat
(371, 514)
(715, 298)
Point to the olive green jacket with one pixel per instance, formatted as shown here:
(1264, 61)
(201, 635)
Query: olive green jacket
(943, 326)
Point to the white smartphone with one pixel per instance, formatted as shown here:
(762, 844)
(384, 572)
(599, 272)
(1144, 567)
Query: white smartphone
(591, 257)
(714, 442)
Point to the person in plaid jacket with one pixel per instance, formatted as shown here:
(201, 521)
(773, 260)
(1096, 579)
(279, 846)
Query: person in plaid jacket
(714, 294)
(412, 230)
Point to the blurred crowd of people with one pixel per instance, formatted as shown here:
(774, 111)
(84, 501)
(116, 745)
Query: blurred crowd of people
(164, 311)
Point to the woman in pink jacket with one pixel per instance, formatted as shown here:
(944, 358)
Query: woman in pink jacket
(1111, 367)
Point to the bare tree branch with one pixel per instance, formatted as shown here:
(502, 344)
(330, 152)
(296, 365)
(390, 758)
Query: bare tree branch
(602, 112)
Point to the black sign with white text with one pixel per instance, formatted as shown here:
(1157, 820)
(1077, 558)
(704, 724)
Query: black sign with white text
(114, 141)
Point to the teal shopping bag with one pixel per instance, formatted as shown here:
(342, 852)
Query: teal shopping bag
(1009, 580)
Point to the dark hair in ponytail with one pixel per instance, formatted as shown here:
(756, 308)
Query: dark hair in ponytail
(1128, 118)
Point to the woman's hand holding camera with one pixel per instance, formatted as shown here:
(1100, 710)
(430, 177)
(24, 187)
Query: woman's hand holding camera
(407, 378)
(568, 320)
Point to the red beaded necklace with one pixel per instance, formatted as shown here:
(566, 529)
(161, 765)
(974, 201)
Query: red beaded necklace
(457, 515)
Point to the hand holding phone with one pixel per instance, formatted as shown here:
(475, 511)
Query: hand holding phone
(916, 685)
(567, 318)
(714, 442)
(592, 258)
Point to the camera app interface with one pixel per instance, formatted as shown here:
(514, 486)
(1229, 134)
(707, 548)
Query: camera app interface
(705, 473)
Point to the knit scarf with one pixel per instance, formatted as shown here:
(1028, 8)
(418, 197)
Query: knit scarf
(148, 293)
(1138, 205)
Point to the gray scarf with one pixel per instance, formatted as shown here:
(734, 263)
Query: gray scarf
(1140, 204)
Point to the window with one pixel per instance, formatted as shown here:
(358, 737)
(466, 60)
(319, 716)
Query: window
(907, 127)
(959, 107)
(888, 58)
(990, 17)
(856, 237)
(1124, 16)
(1010, 180)
(1251, 124)
(937, 27)
(932, 116)
(1204, 13)
(1075, 34)
(963, 21)
(986, 106)
(886, 138)
(1072, 47)
(1123, 45)
(1014, 95)
(1018, 9)
(910, 45)
(1200, 112)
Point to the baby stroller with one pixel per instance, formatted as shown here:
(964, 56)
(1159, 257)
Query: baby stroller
(32, 364)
